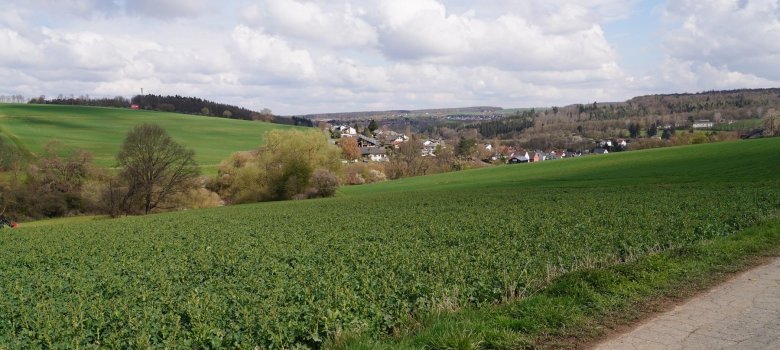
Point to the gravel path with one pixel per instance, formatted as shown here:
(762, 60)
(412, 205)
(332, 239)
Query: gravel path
(743, 313)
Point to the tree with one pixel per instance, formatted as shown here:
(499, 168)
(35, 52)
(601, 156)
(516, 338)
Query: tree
(407, 160)
(652, 130)
(771, 123)
(466, 147)
(349, 148)
(634, 129)
(372, 126)
(154, 167)
(205, 111)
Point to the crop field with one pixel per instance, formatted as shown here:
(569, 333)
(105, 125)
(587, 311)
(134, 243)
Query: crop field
(294, 274)
(101, 130)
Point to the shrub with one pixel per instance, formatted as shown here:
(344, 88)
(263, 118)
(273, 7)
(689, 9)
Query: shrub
(325, 183)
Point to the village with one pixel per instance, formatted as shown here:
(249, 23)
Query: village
(379, 146)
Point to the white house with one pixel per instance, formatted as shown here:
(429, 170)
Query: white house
(344, 129)
(374, 154)
(429, 147)
(702, 124)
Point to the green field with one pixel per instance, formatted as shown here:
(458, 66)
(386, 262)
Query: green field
(376, 258)
(101, 130)
(741, 125)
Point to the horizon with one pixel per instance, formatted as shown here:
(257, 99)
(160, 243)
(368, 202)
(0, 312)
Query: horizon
(301, 57)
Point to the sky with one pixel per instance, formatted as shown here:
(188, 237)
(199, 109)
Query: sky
(300, 57)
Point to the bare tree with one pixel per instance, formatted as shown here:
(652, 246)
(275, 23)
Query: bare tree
(154, 167)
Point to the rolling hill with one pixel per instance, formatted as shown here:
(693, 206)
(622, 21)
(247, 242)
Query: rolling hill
(101, 130)
(376, 259)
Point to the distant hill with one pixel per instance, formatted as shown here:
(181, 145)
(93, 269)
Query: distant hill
(403, 113)
(715, 105)
(101, 130)
(727, 104)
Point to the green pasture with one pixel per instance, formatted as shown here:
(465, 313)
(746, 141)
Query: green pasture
(741, 125)
(697, 165)
(101, 130)
(419, 263)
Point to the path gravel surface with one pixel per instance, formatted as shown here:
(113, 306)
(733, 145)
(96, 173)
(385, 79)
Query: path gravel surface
(743, 313)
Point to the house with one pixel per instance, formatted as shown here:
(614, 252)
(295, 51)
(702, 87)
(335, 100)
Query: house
(702, 124)
(521, 157)
(344, 130)
(374, 154)
(365, 141)
(600, 151)
(535, 156)
(556, 154)
(429, 147)
(622, 143)
(135, 106)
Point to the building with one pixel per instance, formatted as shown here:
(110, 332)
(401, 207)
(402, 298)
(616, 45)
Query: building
(702, 124)
(521, 157)
(429, 147)
(374, 154)
(344, 130)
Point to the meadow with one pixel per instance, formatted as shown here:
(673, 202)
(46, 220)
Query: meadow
(102, 130)
(375, 260)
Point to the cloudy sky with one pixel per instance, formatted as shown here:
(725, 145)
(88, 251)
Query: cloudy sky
(299, 56)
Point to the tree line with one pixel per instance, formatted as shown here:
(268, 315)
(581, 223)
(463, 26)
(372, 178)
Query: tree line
(196, 105)
(154, 173)
(117, 102)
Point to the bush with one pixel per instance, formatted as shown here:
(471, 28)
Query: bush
(325, 183)
(360, 173)
(52, 205)
(197, 199)
(283, 168)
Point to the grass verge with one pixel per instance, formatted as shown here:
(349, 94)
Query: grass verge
(580, 308)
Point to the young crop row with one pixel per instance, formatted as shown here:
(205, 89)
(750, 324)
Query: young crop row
(291, 274)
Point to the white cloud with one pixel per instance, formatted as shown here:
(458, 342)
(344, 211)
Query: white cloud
(298, 56)
(17, 50)
(167, 9)
(732, 35)
(682, 75)
(424, 30)
(307, 20)
(270, 58)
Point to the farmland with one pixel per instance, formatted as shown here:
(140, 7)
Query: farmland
(101, 130)
(286, 274)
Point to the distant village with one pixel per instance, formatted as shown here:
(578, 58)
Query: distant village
(377, 147)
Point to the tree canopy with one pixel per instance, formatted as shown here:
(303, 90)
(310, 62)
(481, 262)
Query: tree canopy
(154, 167)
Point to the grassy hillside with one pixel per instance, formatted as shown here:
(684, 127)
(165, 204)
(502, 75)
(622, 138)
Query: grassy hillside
(376, 258)
(101, 130)
(724, 162)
